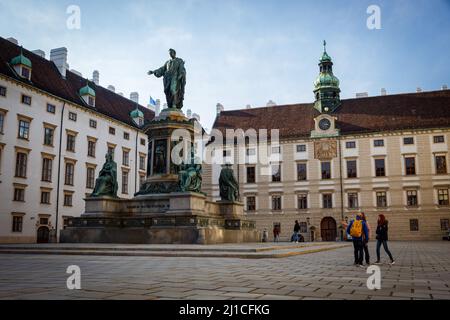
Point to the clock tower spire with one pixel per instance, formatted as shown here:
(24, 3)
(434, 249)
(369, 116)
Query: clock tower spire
(326, 86)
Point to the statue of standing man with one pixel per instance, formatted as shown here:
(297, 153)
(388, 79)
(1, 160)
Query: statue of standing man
(174, 75)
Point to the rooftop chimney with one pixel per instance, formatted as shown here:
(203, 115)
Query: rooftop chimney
(134, 96)
(196, 116)
(189, 113)
(419, 89)
(96, 77)
(248, 106)
(13, 40)
(111, 88)
(59, 58)
(39, 52)
(219, 108)
(157, 107)
(120, 94)
(271, 103)
(362, 95)
(444, 87)
(383, 91)
(78, 73)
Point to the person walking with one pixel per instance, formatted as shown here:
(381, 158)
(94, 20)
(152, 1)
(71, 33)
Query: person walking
(358, 231)
(366, 241)
(295, 236)
(276, 233)
(382, 238)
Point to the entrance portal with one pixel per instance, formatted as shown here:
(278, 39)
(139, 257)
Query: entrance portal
(328, 229)
(43, 235)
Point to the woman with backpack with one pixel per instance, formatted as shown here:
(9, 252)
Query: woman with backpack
(366, 241)
(382, 238)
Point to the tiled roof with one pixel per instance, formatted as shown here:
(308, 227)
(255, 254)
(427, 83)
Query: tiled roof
(372, 114)
(45, 76)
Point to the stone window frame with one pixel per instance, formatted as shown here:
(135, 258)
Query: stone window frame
(322, 199)
(302, 162)
(27, 119)
(306, 196)
(50, 108)
(408, 141)
(89, 141)
(112, 146)
(93, 123)
(272, 199)
(300, 148)
(68, 194)
(321, 172)
(144, 156)
(377, 144)
(72, 162)
(353, 193)
(112, 131)
(3, 91)
(90, 166)
(125, 187)
(414, 225)
(445, 195)
(51, 157)
(25, 151)
(347, 168)
(408, 193)
(385, 168)
(439, 138)
(17, 215)
(72, 116)
(405, 168)
(126, 135)
(445, 226)
(247, 203)
(24, 98)
(46, 190)
(247, 174)
(74, 134)
(22, 187)
(126, 156)
(386, 197)
(2, 148)
(350, 144)
(280, 172)
(3, 113)
(53, 127)
(435, 156)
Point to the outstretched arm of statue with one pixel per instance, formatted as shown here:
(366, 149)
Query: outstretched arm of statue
(150, 72)
(159, 72)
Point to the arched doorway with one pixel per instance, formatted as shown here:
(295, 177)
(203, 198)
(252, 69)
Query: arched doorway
(328, 229)
(43, 234)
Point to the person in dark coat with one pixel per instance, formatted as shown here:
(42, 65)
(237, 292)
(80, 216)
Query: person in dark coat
(382, 238)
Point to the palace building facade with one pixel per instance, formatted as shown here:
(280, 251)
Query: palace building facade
(55, 130)
(386, 154)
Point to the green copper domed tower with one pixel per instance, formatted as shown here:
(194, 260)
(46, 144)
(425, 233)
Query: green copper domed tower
(326, 86)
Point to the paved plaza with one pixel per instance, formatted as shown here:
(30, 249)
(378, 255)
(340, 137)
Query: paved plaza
(422, 271)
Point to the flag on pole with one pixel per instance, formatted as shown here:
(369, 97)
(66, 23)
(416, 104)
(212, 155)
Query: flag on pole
(152, 102)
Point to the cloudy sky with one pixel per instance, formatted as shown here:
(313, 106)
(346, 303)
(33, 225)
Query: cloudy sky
(243, 52)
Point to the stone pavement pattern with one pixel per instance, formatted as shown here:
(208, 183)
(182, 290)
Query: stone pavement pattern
(422, 271)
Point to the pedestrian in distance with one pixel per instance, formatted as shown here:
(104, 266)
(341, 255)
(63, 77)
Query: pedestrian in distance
(366, 241)
(295, 236)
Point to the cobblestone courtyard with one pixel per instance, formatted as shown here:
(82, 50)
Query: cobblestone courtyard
(422, 271)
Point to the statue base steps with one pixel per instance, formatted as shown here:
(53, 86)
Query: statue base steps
(174, 218)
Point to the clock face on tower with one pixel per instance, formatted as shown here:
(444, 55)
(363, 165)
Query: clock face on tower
(324, 124)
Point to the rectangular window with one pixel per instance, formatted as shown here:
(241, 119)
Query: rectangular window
(251, 177)
(91, 148)
(351, 169)
(441, 164)
(19, 194)
(111, 151)
(47, 165)
(112, 130)
(378, 143)
(70, 142)
(17, 223)
(350, 145)
(276, 173)
(251, 203)
(125, 158)
(25, 73)
(26, 100)
(68, 199)
(410, 166)
(443, 197)
(226, 153)
(380, 168)
(411, 198)
(445, 225)
(92, 123)
(414, 225)
(91, 101)
(21, 165)
(327, 200)
(90, 177)
(276, 203)
(381, 199)
(353, 201)
(72, 116)
(303, 227)
(24, 129)
(48, 136)
(301, 148)
(125, 182)
(126, 136)
(302, 172)
(142, 142)
(45, 197)
(2, 91)
(141, 162)
(438, 139)
(276, 150)
(408, 140)
(69, 174)
(302, 201)
(51, 108)
(43, 221)
(326, 170)
(2, 121)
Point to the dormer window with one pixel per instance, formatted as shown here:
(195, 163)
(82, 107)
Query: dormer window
(88, 95)
(22, 66)
(137, 116)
